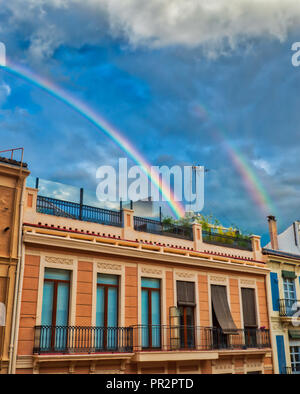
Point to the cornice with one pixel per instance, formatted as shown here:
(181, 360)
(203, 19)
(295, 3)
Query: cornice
(134, 252)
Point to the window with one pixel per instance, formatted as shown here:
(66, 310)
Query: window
(289, 294)
(295, 359)
(186, 305)
(151, 330)
(106, 311)
(55, 309)
(249, 315)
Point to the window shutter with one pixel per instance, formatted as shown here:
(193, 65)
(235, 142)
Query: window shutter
(280, 353)
(185, 293)
(274, 290)
(249, 309)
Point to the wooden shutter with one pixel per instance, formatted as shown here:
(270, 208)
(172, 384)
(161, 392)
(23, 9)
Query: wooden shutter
(185, 293)
(249, 309)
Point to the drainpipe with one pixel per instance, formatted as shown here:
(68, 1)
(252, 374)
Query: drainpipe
(18, 290)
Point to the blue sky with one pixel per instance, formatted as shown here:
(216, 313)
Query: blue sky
(144, 67)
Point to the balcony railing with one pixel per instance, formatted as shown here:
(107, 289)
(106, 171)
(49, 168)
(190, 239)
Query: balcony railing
(75, 339)
(72, 210)
(171, 338)
(237, 242)
(157, 227)
(288, 307)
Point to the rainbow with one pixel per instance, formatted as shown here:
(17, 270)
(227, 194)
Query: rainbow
(250, 179)
(98, 121)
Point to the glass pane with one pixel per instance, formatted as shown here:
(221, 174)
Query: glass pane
(107, 279)
(52, 273)
(100, 307)
(112, 318)
(47, 307)
(47, 310)
(149, 282)
(145, 319)
(62, 304)
(112, 307)
(62, 309)
(99, 331)
(155, 317)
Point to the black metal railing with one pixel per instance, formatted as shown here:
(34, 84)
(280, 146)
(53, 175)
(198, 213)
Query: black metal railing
(238, 241)
(288, 307)
(157, 227)
(80, 339)
(170, 338)
(72, 210)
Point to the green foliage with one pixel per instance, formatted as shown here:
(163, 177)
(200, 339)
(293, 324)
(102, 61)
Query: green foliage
(213, 230)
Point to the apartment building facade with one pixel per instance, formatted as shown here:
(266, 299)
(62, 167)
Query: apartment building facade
(13, 174)
(104, 291)
(284, 262)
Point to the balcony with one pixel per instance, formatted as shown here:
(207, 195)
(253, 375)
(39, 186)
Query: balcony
(144, 338)
(288, 307)
(190, 338)
(76, 339)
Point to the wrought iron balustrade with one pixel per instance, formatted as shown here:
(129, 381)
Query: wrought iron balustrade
(238, 241)
(288, 307)
(81, 339)
(180, 337)
(157, 227)
(72, 210)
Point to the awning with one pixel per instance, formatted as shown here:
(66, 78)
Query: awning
(221, 308)
(294, 334)
(249, 310)
(185, 293)
(288, 274)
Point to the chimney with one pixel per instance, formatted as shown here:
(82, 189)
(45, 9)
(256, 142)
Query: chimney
(273, 232)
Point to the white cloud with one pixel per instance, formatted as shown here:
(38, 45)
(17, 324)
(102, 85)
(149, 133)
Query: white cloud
(214, 24)
(264, 165)
(5, 91)
(206, 22)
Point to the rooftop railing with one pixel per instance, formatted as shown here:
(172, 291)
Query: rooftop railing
(72, 210)
(238, 241)
(78, 211)
(157, 227)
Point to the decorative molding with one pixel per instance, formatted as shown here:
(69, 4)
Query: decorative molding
(58, 260)
(154, 271)
(247, 282)
(110, 267)
(187, 275)
(218, 279)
